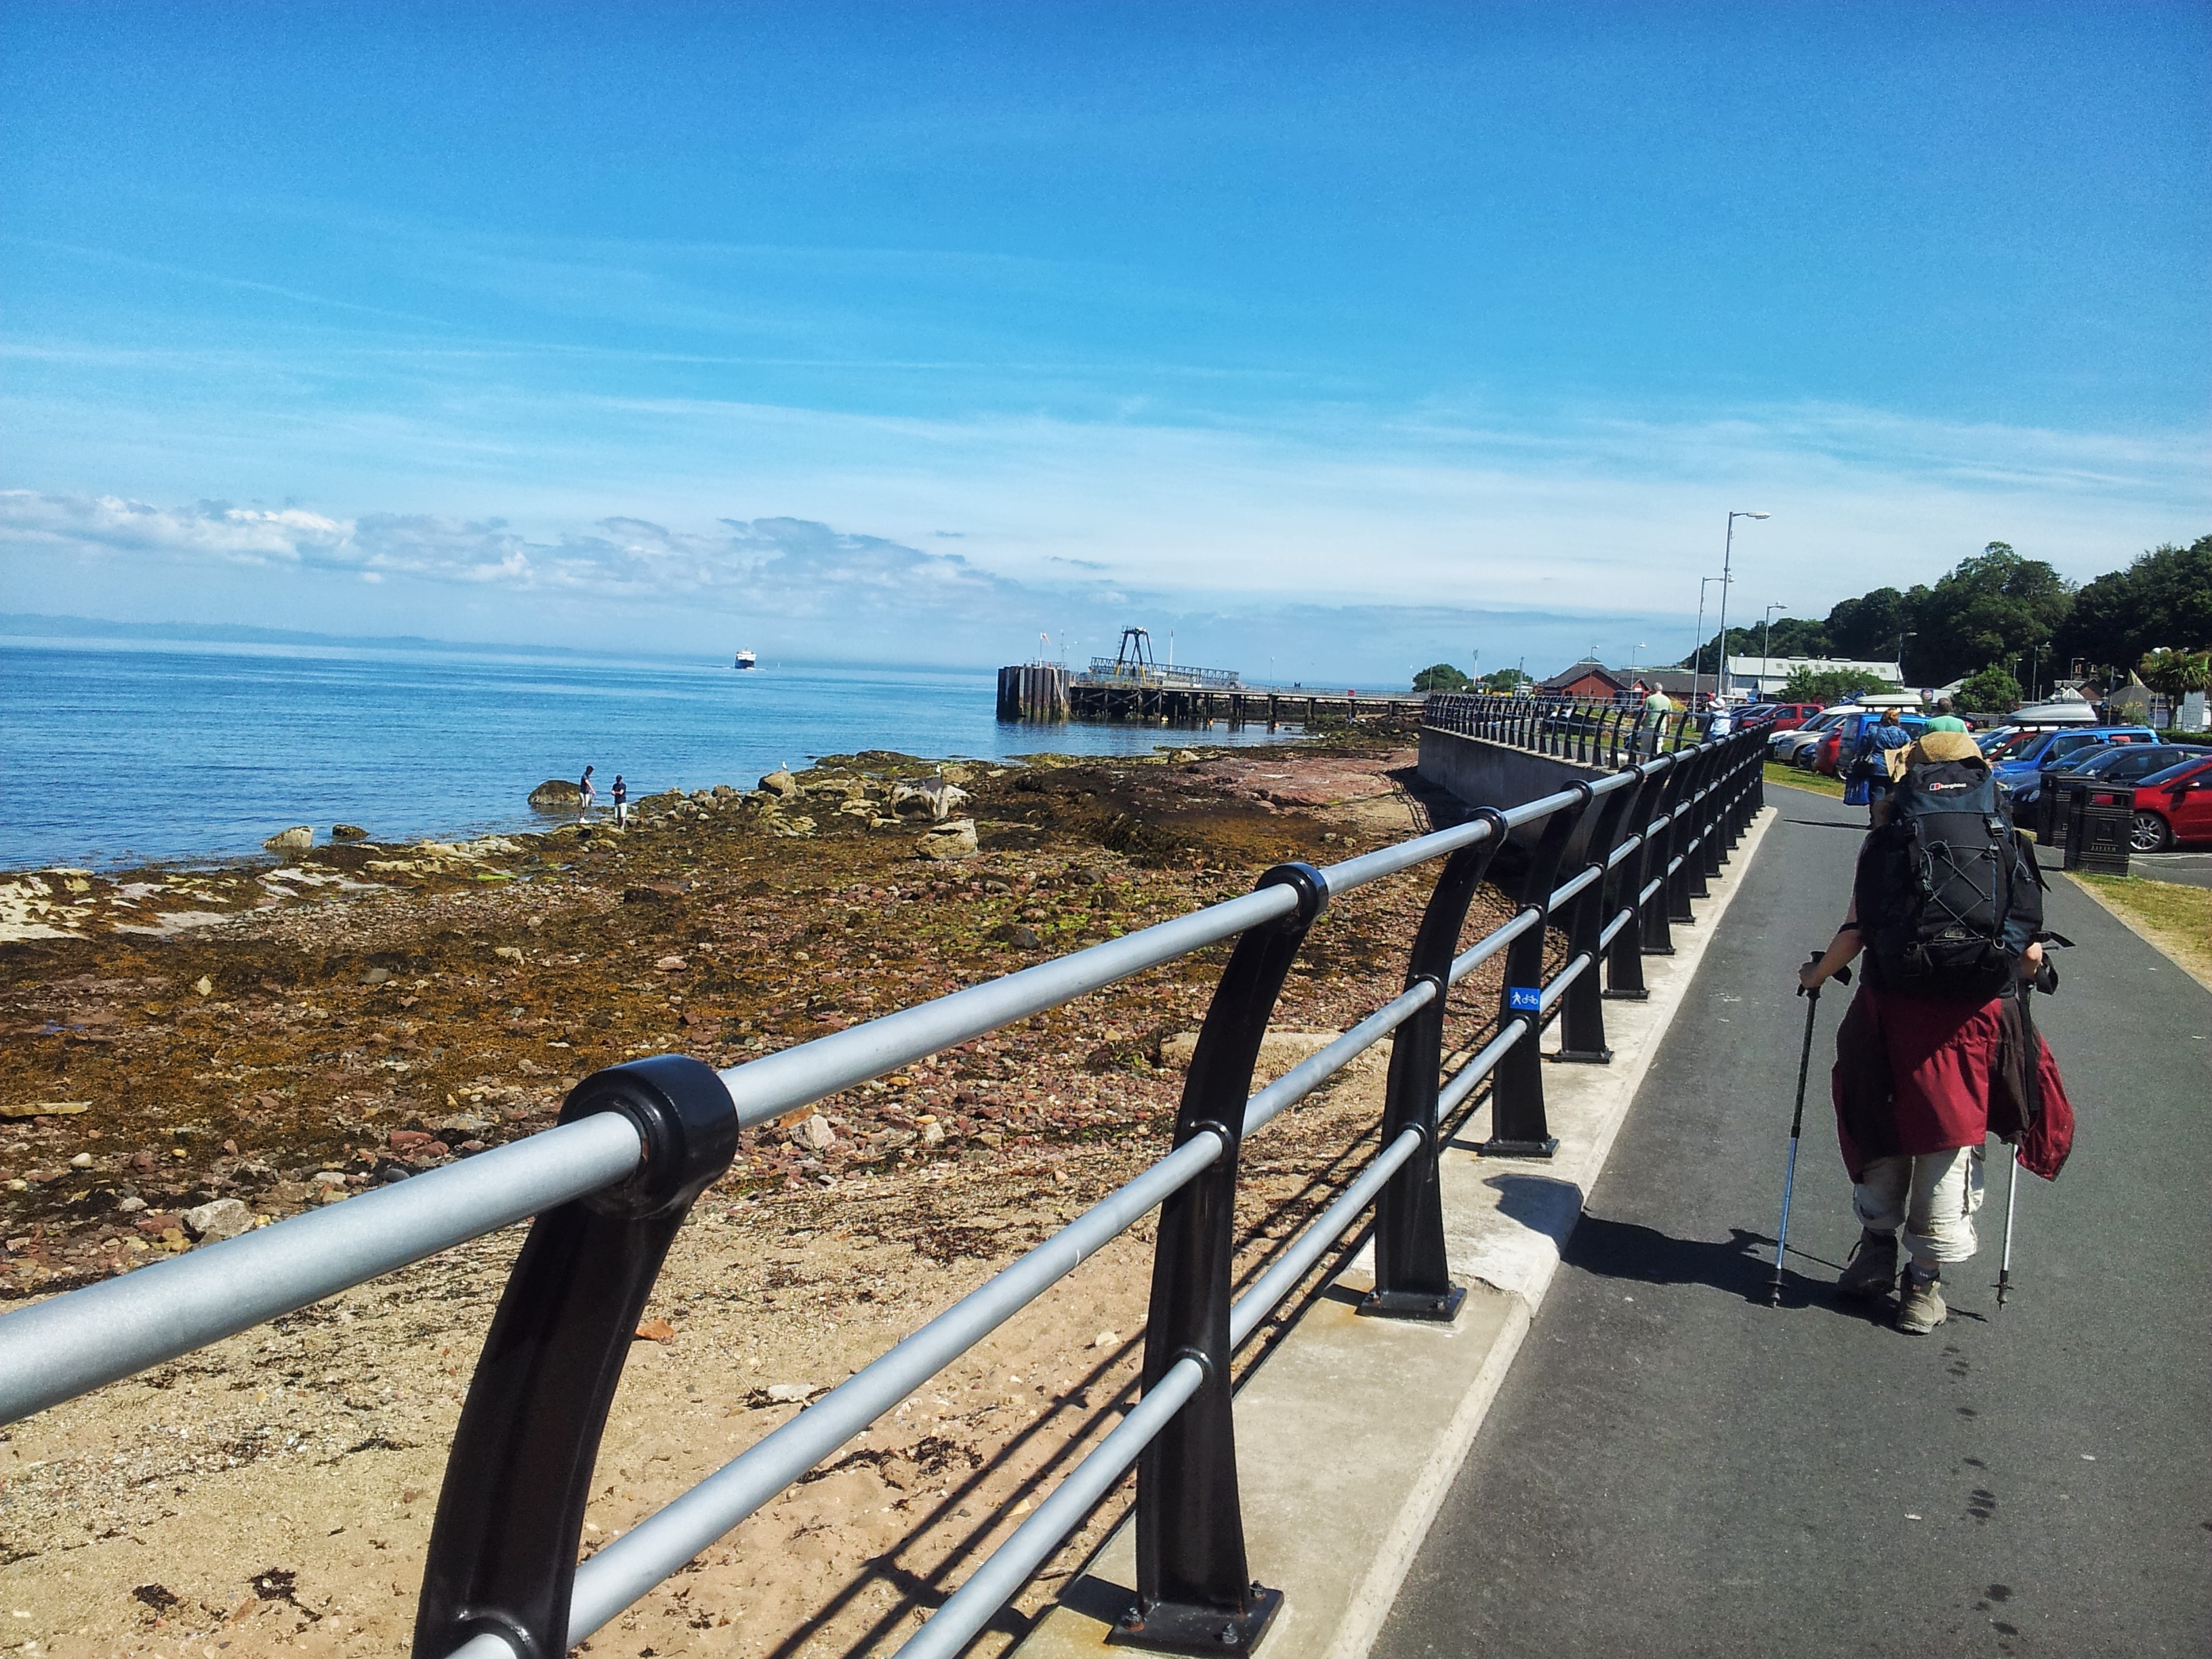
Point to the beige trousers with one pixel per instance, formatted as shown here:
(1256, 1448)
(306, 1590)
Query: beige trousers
(1933, 1197)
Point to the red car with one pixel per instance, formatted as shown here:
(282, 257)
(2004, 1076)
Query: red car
(1777, 716)
(2175, 804)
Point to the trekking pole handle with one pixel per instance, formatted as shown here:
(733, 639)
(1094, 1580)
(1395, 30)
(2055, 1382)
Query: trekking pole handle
(1841, 977)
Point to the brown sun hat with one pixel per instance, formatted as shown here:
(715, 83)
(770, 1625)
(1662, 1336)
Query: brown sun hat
(1943, 746)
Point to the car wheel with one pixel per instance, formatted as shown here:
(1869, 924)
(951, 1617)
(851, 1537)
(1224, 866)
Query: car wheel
(2150, 834)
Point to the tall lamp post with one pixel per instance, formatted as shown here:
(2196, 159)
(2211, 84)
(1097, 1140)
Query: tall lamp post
(1765, 642)
(1728, 554)
(1698, 652)
(1909, 633)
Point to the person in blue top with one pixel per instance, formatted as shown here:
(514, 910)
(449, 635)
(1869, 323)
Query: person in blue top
(1875, 741)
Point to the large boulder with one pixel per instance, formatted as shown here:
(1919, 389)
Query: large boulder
(556, 793)
(348, 832)
(298, 839)
(947, 842)
(780, 784)
(938, 797)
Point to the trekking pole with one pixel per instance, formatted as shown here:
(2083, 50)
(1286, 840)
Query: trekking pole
(2012, 1196)
(1797, 1127)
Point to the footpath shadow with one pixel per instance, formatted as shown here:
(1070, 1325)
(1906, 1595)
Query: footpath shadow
(1740, 1265)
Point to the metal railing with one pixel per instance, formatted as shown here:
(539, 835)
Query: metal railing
(1113, 670)
(1592, 732)
(1616, 860)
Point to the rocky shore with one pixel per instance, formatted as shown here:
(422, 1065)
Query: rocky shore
(198, 1053)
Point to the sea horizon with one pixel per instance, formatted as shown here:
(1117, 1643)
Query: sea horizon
(137, 750)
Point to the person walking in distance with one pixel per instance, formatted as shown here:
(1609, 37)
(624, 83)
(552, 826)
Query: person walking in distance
(1937, 1050)
(1877, 742)
(1945, 717)
(1656, 707)
(585, 795)
(620, 795)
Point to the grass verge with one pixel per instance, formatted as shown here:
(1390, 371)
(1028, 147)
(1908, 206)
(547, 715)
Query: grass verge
(2177, 919)
(1790, 777)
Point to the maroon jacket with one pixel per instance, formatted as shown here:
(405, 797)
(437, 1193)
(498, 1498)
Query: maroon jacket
(1924, 1074)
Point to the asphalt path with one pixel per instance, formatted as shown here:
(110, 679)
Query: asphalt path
(2192, 866)
(1673, 1468)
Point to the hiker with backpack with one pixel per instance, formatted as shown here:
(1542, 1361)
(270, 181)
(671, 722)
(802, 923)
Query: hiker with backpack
(1939, 1048)
(1869, 780)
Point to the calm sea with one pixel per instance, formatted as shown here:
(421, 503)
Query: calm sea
(122, 753)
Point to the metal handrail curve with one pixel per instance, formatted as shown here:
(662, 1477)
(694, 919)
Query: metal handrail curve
(625, 1130)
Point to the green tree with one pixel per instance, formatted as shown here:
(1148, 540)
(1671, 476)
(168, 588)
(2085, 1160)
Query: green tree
(2176, 674)
(1790, 636)
(1992, 608)
(1991, 690)
(1506, 679)
(2163, 600)
(1828, 685)
(1869, 628)
(1441, 676)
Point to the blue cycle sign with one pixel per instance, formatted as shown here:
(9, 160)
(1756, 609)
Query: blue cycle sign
(1524, 999)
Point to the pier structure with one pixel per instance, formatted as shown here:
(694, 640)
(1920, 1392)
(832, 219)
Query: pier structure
(1130, 688)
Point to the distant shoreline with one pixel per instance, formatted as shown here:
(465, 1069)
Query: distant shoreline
(29, 627)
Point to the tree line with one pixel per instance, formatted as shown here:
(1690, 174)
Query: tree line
(2003, 622)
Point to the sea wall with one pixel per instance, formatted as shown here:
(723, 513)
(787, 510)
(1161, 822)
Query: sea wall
(1481, 773)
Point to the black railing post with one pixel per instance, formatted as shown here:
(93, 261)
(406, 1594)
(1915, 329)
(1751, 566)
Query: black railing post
(1678, 840)
(1655, 912)
(1699, 848)
(1517, 1124)
(1412, 1278)
(502, 1555)
(1624, 960)
(1715, 845)
(1195, 1592)
(1581, 1012)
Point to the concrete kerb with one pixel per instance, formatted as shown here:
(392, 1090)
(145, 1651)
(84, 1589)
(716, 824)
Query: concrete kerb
(1350, 1435)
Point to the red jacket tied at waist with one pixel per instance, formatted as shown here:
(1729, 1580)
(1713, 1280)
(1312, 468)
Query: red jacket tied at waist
(1922, 1074)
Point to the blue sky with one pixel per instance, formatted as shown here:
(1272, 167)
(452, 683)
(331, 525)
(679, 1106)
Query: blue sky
(1350, 336)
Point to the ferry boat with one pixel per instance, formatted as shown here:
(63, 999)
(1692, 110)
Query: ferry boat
(746, 660)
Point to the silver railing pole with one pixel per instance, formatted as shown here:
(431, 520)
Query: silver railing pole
(55, 1350)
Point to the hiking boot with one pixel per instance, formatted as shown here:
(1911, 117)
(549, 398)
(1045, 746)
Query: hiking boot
(1920, 1307)
(1872, 1267)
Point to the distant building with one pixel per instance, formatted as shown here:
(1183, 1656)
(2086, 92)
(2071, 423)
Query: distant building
(1763, 677)
(1587, 679)
(1592, 679)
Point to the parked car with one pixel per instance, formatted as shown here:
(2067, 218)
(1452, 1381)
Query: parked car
(2175, 804)
(2115, 763)
(1842, 739)
(1783, 746)
(2036, 749)
(1772, 717)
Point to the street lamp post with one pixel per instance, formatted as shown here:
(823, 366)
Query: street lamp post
(1728, 554)
(1765, 641)
(1909, 633)
(1698, 652)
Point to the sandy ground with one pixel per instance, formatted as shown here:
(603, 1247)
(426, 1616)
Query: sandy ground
(275, 1492)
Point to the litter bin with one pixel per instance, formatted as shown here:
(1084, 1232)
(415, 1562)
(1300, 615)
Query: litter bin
(2052, 809)
(2097, 835)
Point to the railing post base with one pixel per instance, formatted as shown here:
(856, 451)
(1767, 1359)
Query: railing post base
(1632, 996)
(1413, 1305)
(1173, 1627)
(1495, 1147)
(1582, 1056)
